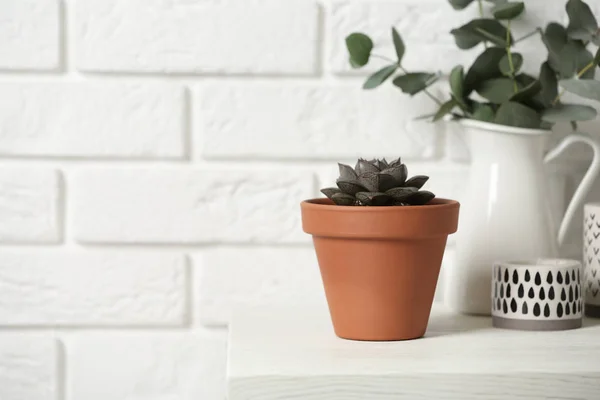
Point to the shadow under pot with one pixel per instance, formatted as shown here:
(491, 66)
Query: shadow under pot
(537, 295)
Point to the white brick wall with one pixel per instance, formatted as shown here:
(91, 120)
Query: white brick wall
(153, 154)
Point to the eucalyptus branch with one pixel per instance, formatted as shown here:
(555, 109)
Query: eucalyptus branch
(530, 34)
(480, 4)
(384, 58)
(579, 75)
(510, 60)
(432, 97)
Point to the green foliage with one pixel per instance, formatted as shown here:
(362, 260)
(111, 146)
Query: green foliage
(510, 97)
(378, 183)
(413, 83)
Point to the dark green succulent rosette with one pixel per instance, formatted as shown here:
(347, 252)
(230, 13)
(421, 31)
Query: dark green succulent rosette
(378, 183)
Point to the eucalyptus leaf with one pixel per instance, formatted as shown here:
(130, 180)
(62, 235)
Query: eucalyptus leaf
(582, 23)
(516, 114)
(486, 66)
(460, 4)
(549, 84)
(517, 62)
(569, 112)
(457, 77)
(497, 90)
(554, 38)
(509, 10)
(463, 104)
(590, 89)
(497, 40)
(359, 47)
(479, 30)
(379, 77)
(527, 92)
(597, 57)
(483, 112)
(573, 58)
(412, 83)
(445, 109)
(398, 44)
(353, 63)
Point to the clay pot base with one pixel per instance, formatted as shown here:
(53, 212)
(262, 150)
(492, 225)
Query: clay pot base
(536, 325)
(592, 311)
(379, 265)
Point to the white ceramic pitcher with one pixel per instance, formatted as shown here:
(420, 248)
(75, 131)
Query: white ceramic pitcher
(506, 213)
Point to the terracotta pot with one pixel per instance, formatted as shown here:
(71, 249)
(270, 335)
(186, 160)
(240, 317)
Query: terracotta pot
(380, 265)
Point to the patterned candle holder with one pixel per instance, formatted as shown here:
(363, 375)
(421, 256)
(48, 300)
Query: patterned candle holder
(537, 295)
(591, 259)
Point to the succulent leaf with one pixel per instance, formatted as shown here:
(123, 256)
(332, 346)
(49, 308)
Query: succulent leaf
(417, 181)
(401, 193)
(370, 180)
(386, 182)
(420, 198)
(395, 163)
(399, 173)
(380, 183)
(347, 172)
(330, 191)
(373, 198)
(343, 199)
(363, 166)
(350, 187)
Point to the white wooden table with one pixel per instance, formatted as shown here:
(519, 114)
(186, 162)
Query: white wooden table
(278, 354)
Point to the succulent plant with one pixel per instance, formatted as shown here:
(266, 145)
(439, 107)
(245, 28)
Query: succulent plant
(378, 183)
(494, 88)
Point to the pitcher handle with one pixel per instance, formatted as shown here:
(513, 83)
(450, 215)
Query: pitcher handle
(585, 185)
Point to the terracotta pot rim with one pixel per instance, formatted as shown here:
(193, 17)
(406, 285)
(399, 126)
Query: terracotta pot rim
(324, 203)
(320, 217)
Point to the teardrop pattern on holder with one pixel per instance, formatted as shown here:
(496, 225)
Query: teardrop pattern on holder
(540, 295)
(521, 291)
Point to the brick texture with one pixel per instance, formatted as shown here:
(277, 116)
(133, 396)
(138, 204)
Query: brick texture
(29, 205)
(29, 35)
(91, 120)
(188, 205)
(303, 121)
(82, 289)
(234, 36)
(28, 367)
(263, 276)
